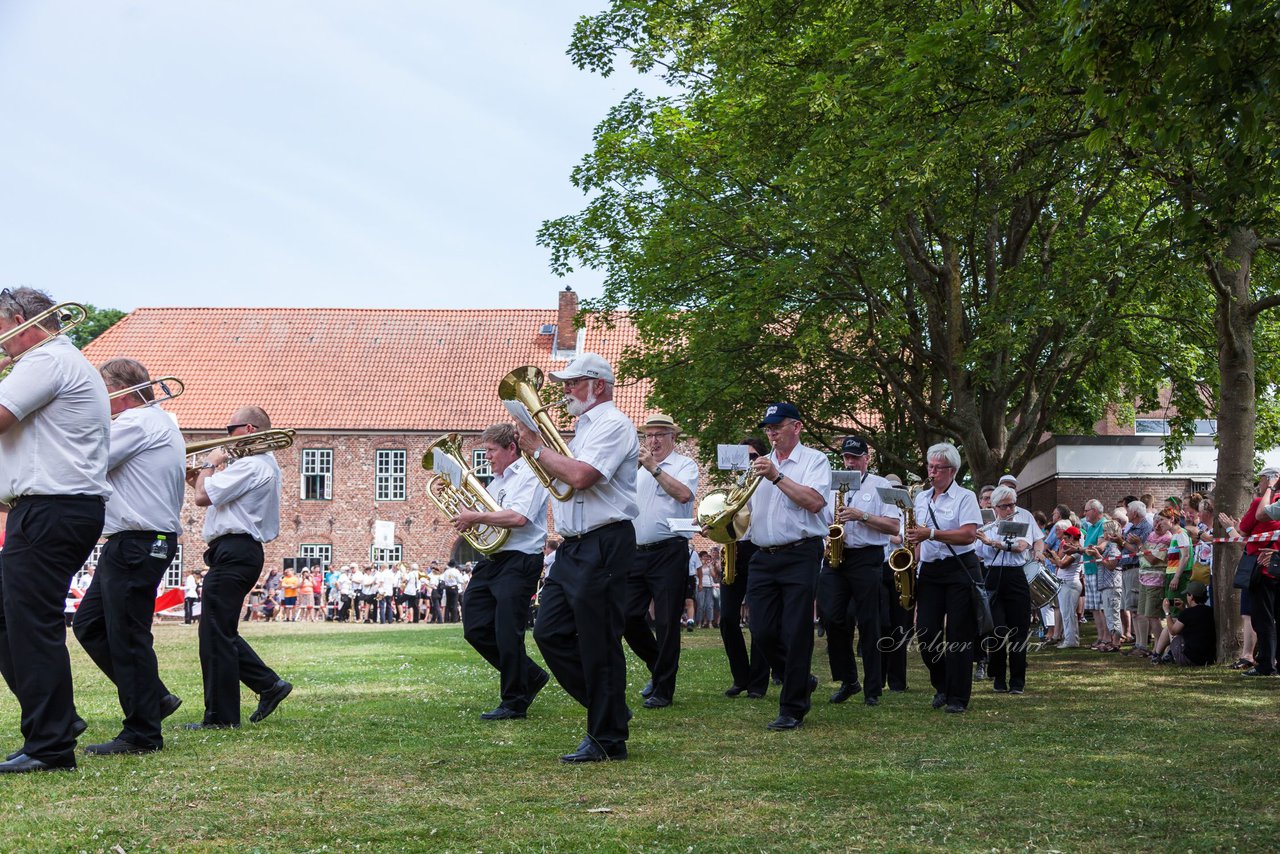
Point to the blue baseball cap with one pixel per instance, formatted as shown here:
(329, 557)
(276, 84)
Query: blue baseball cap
(779, 412)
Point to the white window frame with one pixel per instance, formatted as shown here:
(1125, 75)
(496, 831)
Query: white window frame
(388, 557)
(391, 474)
(172, 575)
(312, 464)
(480, 465)
(312, 551)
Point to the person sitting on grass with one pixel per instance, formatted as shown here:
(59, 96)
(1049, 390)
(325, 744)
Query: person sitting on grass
(1193, 638)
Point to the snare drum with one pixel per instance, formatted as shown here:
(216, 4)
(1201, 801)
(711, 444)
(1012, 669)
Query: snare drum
(1042, 583)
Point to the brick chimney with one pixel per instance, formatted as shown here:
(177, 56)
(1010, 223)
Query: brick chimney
(566, 334)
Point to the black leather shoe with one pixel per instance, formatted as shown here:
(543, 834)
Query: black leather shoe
(871, 701)
(734, 690)
(656, 702)
(117, 746)
(269, 699)
(813, 683)
(847, 690)
(784, 722)
(203, 725)
(955, 709)
(169, 704)
(502, 713)
(777, 680)
(647, 690)
(24, 764)
(939, 700)
(755, 695)
(589, 751)
(1000, 689)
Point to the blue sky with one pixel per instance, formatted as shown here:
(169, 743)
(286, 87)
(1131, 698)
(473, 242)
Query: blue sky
(278, 153)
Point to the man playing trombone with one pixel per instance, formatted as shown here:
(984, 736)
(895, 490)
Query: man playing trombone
(580, 618)
(146, 467)
(495, 610)
(243, 497)
(54, 425)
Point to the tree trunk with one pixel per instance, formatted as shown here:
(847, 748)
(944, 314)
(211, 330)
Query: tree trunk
(1236, 422)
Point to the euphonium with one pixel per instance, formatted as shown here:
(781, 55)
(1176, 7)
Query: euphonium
(902, 560)
(835, 533)
(522, 384)
(247, 445)
(471, 495)
(724, 517)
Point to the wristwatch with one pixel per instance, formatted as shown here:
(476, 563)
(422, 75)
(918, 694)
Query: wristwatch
(865, 515)
(537, 455)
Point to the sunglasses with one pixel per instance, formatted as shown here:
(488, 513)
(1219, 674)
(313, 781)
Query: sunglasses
(231, 428)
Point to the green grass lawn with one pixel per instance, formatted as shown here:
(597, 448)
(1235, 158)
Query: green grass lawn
(380, 748)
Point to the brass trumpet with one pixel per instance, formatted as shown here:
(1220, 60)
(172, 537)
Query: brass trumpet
(522, 385)
(248, 445)
(471, 495)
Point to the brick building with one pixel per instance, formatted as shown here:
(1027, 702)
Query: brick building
(366, 390)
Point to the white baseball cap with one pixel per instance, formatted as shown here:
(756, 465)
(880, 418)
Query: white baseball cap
(588, 365)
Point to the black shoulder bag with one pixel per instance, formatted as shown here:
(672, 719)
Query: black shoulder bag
(978, 594)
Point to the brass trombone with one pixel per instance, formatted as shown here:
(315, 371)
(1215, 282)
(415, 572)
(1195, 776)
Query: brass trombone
(170, 387)
(523, 384)
(247, 445)
(69, 315)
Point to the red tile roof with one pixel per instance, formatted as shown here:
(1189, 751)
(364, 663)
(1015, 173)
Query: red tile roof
(351, 369)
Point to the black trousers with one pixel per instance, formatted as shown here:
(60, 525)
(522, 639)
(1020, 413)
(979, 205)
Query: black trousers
(659, 575)
(780, 594)
(494, 614)
(451, 604)
(897, 627)
(849, 596)
(226, 659)
(113, 624)
(749, 672)
(411, 602)
(580, 622)
(1264, 595)
(943, 602)
(188, 610)
(47, 538)
(1011, 615)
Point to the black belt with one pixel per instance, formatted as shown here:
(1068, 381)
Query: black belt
(772, 549)
(13, 502)
(232, 537)
(140, 535)
(660, 544)
(575, 537)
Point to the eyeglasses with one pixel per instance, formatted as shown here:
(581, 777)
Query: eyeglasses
(573, 383)
(932, 467)
(231, 428)
(1008, 506)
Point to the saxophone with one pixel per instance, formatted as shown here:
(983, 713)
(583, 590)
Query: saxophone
(835, 533)
(902, 560)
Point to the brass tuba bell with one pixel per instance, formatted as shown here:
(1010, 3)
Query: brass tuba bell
(725, 517)
(471, 495)
(522, 385)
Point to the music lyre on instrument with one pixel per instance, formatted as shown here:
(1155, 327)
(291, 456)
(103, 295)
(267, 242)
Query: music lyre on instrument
(902, 560)
(69, 315)
(521, 386)
(445, 455)
(723, 513)
(844, 482)
(247, 445)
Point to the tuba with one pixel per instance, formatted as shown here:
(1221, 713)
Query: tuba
(724, 518)
(248, 445)
(522, 385)
(471, 495)
(835, 533)
(902, 560)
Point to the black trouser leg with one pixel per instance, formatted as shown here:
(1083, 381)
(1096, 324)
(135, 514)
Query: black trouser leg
(864, 572)
(116, 630)
(226, 659)
(944, 603)
(780, 594)
(1262, 610)
(1011, 614)
(835, 602)
(494, 613)
(896, 629)
(188, 610)
(749, 672)
(660, 575)
(579, 628)
(47, 538)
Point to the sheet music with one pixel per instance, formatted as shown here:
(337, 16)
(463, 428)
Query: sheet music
(447, 466)
(894, 495)
(683, 526)
(852, 479)
(1012, 529)
(520, 413)
(733, 457)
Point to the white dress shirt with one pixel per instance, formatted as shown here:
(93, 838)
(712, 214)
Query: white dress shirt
(656, 506)
(386, 581)
(777, 520)
(147, 467)
(993, 556)
(867, 500)
(452, 577)
(246, 499)
(519, 489)
(606, 440)
(59, 445)
(954, 508)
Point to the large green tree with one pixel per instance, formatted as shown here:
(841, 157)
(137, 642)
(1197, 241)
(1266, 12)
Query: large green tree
(98, 321)
(1188, 93)
(885, 212)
